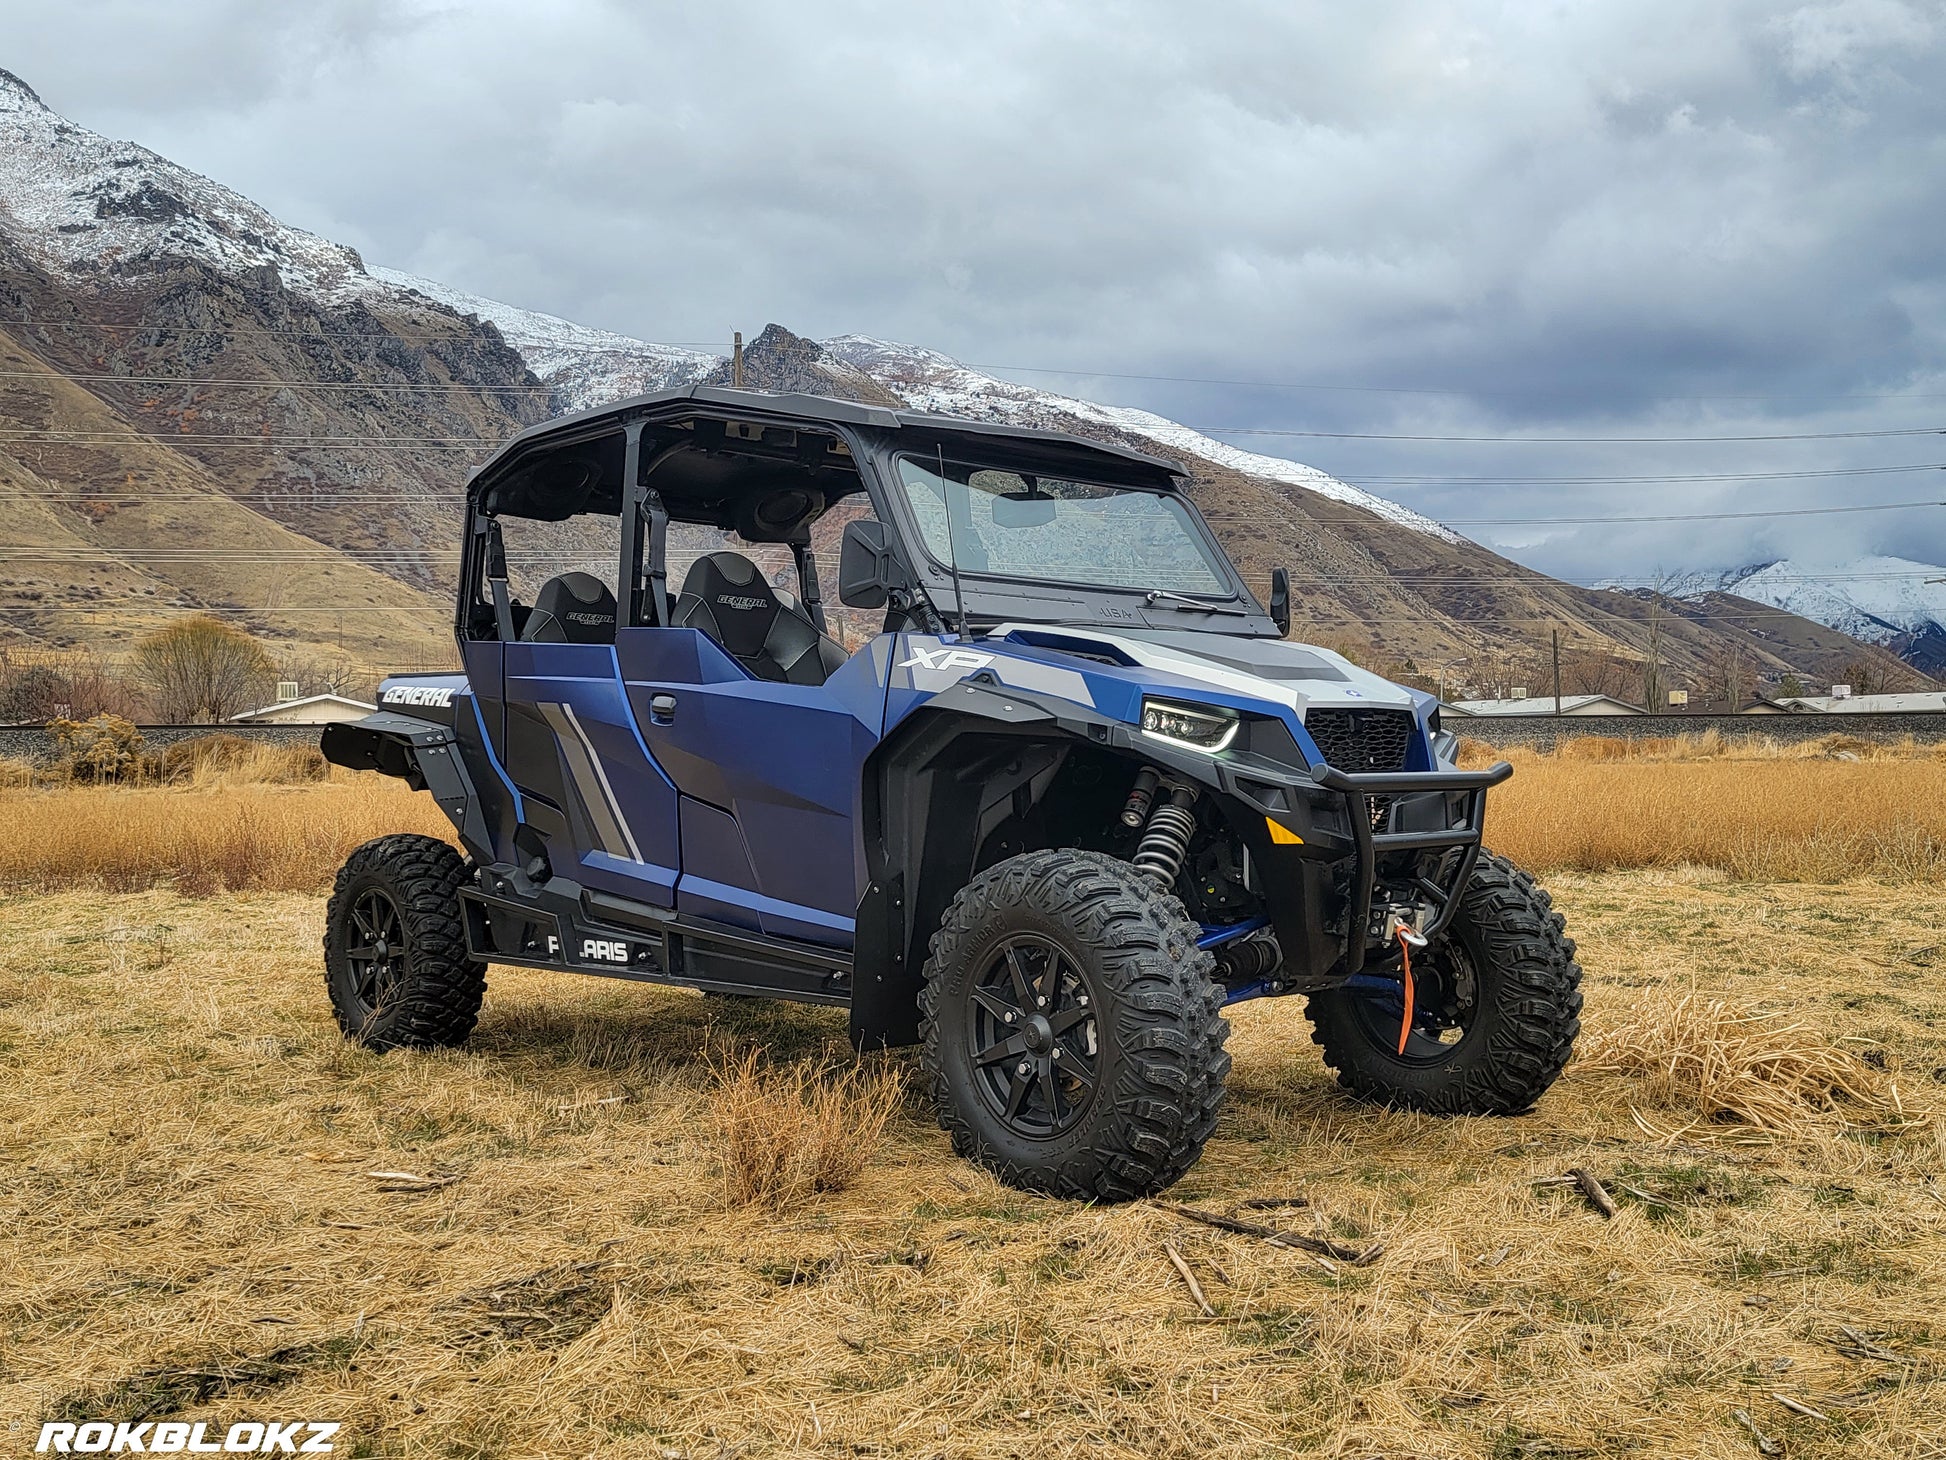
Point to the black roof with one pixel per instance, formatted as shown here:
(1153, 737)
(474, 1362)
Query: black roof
(813, 410)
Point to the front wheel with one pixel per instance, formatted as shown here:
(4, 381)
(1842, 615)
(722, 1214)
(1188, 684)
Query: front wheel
(395, 961)
(1496, 1008)
(1073, 1034)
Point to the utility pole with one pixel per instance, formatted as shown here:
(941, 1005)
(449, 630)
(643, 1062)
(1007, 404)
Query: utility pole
(1557, 670)
(736, 360)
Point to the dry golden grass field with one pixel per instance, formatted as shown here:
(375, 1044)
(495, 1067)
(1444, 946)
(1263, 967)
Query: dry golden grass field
(630, 1221)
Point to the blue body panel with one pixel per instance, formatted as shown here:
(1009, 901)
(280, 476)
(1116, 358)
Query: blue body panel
(778, 764)
(658, 768)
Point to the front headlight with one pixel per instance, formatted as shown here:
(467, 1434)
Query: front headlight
(1195, 727)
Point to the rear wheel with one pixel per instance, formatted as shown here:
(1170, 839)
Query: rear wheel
(395, 961)
(1496, 1008)
(1073, 1035)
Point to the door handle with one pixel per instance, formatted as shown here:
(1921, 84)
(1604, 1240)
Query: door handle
(662, 709)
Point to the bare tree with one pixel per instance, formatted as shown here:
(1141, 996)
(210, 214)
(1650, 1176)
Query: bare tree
(201, 670)
(1727, 673)
(78, 684)
(1592, 671)
(1652, 660)
(315, 675)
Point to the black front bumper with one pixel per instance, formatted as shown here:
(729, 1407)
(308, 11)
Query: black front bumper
(1358, 791)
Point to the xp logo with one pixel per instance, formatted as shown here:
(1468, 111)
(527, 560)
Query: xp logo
(962, 659)
(606, 950)
(418, 694)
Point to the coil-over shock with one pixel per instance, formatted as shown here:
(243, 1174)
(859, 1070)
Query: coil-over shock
(1170, 823)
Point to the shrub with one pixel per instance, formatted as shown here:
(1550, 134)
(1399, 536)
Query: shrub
(786, 1136)
(106, 748)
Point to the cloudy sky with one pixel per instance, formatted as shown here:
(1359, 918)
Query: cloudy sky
(1644, 218)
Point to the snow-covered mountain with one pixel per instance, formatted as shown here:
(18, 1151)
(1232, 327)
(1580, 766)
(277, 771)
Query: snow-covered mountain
(585, 366)
(88, 206)
(935, 382)
(169, 321)
(1895, 602)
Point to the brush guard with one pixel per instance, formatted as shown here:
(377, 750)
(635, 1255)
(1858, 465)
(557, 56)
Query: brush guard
(1361, 792)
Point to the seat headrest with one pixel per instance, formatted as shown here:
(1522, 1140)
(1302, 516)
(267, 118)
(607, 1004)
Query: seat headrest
(573, 608)
(738, 597)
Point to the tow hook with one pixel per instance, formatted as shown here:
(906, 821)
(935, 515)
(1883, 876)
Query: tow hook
(1402, 925)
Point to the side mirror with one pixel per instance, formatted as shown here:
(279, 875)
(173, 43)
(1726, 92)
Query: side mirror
(1280, 600)
(867, 571)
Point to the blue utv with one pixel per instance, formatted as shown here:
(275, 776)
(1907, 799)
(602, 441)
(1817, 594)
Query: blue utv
(1073, 795)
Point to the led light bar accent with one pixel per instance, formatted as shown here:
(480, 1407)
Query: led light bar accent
(1194, 727)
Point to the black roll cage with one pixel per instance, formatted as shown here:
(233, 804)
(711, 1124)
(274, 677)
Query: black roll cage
(873, 438)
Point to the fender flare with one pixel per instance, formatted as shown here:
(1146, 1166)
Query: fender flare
(425, 756)
(912, 875)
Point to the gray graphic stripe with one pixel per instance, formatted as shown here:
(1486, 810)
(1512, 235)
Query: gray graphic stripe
(607, 791)
(584, 767)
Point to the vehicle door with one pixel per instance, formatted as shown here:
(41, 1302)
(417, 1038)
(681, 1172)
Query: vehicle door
(592, 799)
(768, 776)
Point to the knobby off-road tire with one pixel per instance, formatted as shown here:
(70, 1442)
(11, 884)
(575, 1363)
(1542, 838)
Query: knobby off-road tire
(1088, 976)
(1495, 1054)
(395, 959)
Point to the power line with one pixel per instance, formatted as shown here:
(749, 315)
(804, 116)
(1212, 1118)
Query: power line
(1566, 440)
(479, 442)
(279, 384)
(293, 498)
(1388, 480)
(1429, 390)
(717, 348)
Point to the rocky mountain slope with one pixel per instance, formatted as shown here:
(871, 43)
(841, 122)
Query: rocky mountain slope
(201, 406)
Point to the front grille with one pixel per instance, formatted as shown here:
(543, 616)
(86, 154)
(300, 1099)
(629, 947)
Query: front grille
(1361, 740)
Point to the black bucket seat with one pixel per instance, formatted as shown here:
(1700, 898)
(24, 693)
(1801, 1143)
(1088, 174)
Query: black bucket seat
(725, 596)
(574, 608)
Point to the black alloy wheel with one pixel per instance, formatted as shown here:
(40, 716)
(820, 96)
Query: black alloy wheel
(1496, 1008)
(376, 951)
(1032, 1036)
(395, 959)
(1073, 1029)
(1445, 1005)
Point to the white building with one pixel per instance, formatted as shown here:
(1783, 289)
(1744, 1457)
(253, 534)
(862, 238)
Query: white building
(1541, 705)
(1931, 702)
(311, 710)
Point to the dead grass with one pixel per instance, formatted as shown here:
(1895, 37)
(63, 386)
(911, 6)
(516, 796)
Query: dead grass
(1707, 1060)
(220, 832)
(189, 1224)
(786, 1136)
(1814, 811)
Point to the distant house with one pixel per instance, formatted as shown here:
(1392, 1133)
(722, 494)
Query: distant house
(1544, 705)
(1932, 702)
(1762, 706)
(311, 710)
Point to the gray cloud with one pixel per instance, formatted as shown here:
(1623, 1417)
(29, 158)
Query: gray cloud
(1641, 218)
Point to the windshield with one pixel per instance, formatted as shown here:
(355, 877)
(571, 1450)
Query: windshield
(1017, 525)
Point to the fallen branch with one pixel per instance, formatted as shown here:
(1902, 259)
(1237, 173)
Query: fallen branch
(1799, 1407)
(1765, 1444)
(1189, 1279)
(1272, 1203)
(1596, 1193)
(409, 1181)
(1859, 1345)
(1320, 1246)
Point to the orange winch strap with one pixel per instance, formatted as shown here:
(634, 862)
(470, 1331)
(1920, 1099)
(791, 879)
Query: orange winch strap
(1405, 975)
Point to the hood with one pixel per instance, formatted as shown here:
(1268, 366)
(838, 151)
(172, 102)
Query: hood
(1292, 676)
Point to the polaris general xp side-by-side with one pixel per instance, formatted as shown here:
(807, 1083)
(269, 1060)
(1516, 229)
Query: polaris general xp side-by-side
(1074, 795)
